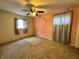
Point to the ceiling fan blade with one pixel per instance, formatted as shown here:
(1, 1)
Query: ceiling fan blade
(27, 13)
(25, 10)
(40, 11)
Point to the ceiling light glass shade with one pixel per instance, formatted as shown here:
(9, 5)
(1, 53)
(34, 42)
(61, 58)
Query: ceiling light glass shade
(34, 13)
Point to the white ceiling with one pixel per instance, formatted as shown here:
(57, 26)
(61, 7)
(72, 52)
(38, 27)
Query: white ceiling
(16, 6)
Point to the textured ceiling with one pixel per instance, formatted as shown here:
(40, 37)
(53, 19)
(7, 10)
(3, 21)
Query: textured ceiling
(16, 6)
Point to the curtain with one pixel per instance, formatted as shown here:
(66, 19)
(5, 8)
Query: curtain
(62, 25)
(25, 30)
(15, 26)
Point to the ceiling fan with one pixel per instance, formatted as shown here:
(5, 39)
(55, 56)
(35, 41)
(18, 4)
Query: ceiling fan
(36, 7)
(31, 10)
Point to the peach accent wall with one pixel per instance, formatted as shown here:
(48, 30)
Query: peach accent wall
(75, 26)
(7, 27)
(44, 24)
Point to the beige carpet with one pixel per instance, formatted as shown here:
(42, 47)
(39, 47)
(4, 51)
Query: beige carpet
(37, 48)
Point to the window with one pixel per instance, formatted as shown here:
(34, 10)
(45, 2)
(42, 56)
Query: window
(20, 24)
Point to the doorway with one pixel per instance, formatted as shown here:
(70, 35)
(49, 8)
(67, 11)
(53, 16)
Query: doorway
(62, 27)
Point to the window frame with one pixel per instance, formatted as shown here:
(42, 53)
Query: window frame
(25, 30)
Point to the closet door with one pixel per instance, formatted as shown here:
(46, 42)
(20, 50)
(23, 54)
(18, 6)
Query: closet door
(66, 21)
(68, 26)
(56, 22)
(62, 29)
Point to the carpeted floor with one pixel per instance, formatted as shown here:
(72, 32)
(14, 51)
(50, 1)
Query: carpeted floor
(37, 48)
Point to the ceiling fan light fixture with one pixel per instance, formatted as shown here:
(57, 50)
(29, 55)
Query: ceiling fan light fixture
(34, 13)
